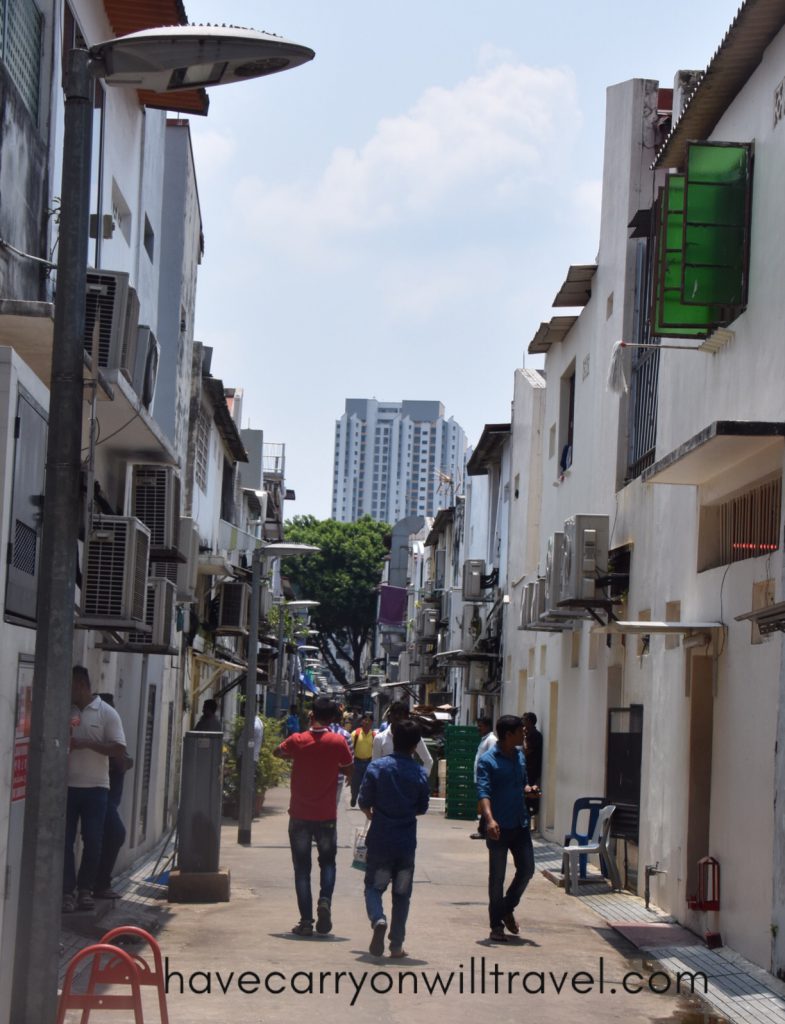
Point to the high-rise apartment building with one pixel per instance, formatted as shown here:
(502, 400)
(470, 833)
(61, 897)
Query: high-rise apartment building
(395, 459)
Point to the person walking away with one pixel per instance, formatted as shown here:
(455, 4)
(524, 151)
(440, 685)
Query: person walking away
(209, 722)
(362, 744)
(292, 721)
(487, 742)
(532, 750)
(336, 727)
(96, 735)
(317, 756)
(114, 834)
(383, 741)
(501, 779)
(394, 792)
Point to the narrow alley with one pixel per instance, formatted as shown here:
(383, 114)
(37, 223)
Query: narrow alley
(239, 962)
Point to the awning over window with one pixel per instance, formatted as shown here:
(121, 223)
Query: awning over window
(547, 333)
(715, 450)
(488, 449)
(576, 290)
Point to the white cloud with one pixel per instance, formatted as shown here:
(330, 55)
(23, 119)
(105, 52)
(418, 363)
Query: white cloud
(488, 139)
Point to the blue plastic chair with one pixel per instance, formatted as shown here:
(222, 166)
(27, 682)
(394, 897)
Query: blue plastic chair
(593, 805)
(598, 844)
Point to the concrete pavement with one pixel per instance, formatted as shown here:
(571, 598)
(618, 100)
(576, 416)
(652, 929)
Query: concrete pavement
(239, 961)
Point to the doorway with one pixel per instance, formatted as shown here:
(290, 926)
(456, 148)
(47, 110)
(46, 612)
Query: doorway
(623, 782)
(701, 669)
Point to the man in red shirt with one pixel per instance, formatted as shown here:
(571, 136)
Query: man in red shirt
(317, 756)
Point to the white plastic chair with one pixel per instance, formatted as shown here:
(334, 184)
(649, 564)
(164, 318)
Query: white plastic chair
(598, 843)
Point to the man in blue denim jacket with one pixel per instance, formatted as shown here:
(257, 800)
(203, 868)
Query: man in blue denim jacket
(501, 782)
(393, 792)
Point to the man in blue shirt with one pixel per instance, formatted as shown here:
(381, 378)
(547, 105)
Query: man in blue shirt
(501, 781)
(393, 792)
(292, 721)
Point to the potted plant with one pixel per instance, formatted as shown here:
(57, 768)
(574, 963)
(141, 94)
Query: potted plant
(270, 770)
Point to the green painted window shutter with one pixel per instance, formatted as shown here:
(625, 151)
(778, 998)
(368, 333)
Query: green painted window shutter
(671, 317)
(702, 227)
(716, 224)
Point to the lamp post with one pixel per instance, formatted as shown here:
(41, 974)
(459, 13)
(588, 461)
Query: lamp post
(246, 740)
(162, 60)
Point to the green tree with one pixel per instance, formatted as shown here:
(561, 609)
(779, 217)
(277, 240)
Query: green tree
(344, 577)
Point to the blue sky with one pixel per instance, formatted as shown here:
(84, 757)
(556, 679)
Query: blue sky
(394, 219)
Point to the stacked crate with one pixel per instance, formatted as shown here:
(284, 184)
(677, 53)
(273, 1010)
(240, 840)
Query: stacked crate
(460, 747)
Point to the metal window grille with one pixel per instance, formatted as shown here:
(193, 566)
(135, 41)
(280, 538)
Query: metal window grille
(644, 381)
(25, 548)
(21, 27)
(749, 523)
(202, 450)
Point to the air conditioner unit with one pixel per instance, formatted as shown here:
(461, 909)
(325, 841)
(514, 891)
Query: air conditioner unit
(114, 575)
(439, 571)
(554, 557)
(473, 572)
(472, 625)
(233, 608)
(477, 677)
(182, 574)
(430, 621)
(585, 557)
(161, 610)
(524, 614)
(187, 572)
(537, 610)
(130, 336)
(107, 301)
(155, 499)
(145, 370)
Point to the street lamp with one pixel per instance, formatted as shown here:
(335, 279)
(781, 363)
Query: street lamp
(161, 60)
(246, 743)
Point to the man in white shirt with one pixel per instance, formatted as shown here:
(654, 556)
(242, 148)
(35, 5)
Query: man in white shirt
(488, 742)
(383, 741)
(96, 735)
(258, 738)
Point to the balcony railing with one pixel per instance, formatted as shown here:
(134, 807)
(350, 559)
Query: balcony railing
(273, 459)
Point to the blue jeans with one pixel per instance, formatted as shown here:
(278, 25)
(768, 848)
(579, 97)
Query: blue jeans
(519, 842)
(112, 842)
(87, 806)
(358, 774)
(380, 870)
(301, 834)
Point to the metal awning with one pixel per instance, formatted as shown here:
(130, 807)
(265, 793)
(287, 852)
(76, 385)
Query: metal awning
(769, 619)
(716, 450)
(737, 56)
(555, 330)
(488, 448)
(707, 631)
(576, 290)
(459, 655)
